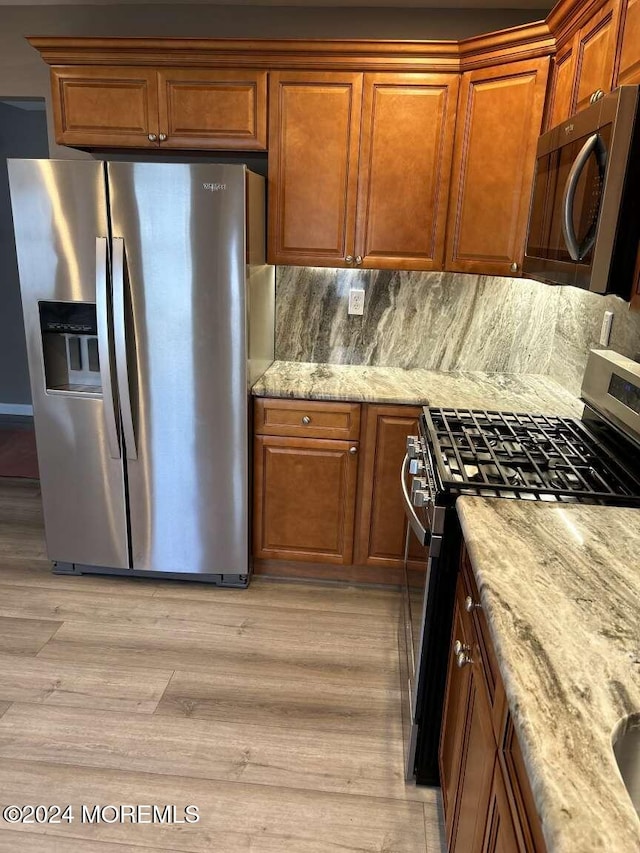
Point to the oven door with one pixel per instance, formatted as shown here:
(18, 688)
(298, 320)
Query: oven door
(423, 517)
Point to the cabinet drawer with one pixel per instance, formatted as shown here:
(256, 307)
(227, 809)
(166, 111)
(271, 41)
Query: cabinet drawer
(307, 418)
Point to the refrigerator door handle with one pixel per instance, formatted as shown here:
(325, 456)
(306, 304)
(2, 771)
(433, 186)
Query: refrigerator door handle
(120, 336)
(109, 402)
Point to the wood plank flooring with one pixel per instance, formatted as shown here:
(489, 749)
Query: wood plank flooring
(275, 710)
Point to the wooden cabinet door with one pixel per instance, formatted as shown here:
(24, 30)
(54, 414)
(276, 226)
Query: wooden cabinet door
(314, 130)
(478, 756)
(500, 117)
(380, 534)
(98, 106)
(628, 59)
(304, 499)
(500, 834)
(210, 108)
(560, 101)
(454, 716)
(408, 123)
(514, 777)
(595, 53)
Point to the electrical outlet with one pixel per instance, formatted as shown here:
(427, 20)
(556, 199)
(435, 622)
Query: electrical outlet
(356, 300)
(605, 331)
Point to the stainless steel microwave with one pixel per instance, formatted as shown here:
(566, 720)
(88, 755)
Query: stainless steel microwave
(584, 221)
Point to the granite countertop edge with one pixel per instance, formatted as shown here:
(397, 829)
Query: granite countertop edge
(416, 386)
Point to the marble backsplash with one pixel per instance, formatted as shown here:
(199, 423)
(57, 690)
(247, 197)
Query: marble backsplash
(579, 317)
(445, 321)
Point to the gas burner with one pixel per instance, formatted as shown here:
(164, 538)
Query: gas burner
(491, 474)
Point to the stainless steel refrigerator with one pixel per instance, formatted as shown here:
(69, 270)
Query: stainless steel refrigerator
(149, 313)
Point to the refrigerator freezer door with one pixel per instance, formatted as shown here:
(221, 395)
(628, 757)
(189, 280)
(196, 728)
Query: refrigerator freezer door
(59, 209)
(183, 230)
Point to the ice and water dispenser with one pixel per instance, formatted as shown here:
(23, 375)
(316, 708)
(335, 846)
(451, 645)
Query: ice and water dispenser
(70, 347)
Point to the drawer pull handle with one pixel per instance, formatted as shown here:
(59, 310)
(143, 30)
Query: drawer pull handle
(306, 420)
(470, 605)
(353, 450)
(460, 647)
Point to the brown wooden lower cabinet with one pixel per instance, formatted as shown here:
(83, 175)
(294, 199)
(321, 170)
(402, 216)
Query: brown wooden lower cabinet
(327, 489)
(500, 833)
(380, 529)
(304, 498)
(488, 804)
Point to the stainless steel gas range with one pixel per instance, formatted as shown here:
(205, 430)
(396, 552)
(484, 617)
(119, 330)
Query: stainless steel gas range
(593, 459)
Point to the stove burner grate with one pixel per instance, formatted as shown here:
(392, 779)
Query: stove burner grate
(535, 456)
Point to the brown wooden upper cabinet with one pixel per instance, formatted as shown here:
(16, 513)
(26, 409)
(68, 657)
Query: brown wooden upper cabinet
(97, 106)
(628, 54)
(314, 124)
(360, 172)
(499, 121)
(560, 100)
(137, 107)
(595, 51)
(603, 52)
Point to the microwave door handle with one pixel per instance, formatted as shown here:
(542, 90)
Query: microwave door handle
(569, 196)
(120, 336)
(421, 532)
(109, 400)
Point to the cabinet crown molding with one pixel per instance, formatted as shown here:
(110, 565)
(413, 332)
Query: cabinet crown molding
(523, 42)
(567, 16)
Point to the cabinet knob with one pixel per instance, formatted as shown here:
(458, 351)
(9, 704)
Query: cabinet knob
(460, 647)
(353, 450)
(462, 660)
(349, 259)
(470, 604)
(514, 267)
(152, 137)
(358, 260)
(306, 420)
(162, 137)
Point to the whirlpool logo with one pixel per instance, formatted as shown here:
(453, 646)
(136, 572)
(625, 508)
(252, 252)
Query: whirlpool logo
(214, 188)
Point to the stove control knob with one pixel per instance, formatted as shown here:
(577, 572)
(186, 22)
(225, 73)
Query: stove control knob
(418, 483)
(416, 466)
(421, 498)
(413, 446)
(470, 605)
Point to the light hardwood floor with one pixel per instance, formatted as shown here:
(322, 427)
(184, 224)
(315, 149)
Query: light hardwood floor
(275, 710)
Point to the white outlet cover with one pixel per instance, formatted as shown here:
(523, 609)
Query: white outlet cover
(356, 301)
(605, 331)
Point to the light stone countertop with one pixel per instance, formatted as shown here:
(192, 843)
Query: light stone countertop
(459, 389)
(560, 587)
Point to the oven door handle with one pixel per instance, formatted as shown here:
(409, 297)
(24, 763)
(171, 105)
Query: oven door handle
(424, 535)
(593, 144)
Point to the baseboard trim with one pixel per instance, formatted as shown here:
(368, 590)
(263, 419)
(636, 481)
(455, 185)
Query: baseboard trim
(330, 572)
(24, 409)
